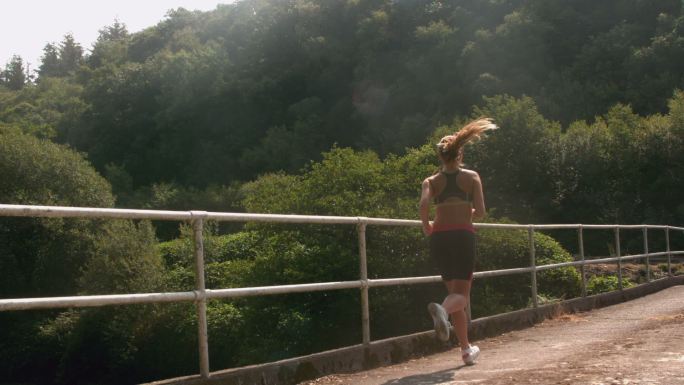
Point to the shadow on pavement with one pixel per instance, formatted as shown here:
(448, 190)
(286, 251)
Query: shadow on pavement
(443, 376)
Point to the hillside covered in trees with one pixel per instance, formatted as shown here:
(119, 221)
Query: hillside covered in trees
(215, 98)
(328, 108)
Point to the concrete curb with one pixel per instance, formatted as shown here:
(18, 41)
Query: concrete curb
(397, 349)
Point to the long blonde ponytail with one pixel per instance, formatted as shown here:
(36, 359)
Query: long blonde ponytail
(451, 146)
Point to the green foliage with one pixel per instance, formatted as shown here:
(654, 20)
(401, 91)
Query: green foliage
(256, 259)
(346, 182)
(522, 153)
(50, 109)
(66, 256)
(36, 171)
(14, 77)
(616, 168)
(204, 99)
(61, 60)
(436, 30)
(603, 284)
(238, 86)
(172, 196)
(509, 249)
(124, 260)
(676, 268)
(49, 61)
(110, 47)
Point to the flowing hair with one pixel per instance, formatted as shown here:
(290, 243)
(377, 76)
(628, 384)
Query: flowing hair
(451, 146)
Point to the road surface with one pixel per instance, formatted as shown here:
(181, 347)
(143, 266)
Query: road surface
(636, 342)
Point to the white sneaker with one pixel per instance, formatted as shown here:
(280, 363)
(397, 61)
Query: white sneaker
(440, 320)
(470, 355)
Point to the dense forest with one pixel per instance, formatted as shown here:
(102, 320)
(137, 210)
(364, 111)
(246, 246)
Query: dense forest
(329, 108)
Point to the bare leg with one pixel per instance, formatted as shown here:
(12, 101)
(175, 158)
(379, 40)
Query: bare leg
(455, 304)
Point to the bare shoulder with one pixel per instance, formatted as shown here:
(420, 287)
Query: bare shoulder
(471, 174)
(431, 178)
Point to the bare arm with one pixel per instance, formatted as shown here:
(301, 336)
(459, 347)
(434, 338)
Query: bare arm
(478, 198)
(425, 207)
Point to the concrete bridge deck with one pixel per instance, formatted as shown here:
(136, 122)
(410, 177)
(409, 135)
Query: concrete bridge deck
(635, 342)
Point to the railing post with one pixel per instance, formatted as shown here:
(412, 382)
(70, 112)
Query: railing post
(648, 257)
(580, 237)
(363, 276)
(617, 254)
(533, 264)
(669, 256)
(200, 290)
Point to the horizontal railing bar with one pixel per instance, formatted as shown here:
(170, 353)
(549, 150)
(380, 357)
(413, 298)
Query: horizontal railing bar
(624, 257)
(624, 226)
(403, 281)
(309, 219)
(500, 226)
(600, 260)
(90, 212)
(639, 227)
(130, 299)
(95, 300)
(281, 289)
(632, 257)
(282, 218)
(95, 212)
(558, 265)
(497, 273)
(567, 226)
(637, 256)
(391, 222)
(553, 227)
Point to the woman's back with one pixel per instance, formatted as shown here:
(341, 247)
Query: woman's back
(452, 192)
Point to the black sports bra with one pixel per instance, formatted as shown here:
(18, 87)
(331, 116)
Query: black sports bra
(452, 193)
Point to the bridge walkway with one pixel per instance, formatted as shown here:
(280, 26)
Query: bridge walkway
(635, 342)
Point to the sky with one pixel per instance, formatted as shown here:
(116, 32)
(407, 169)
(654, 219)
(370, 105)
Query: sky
(26, 26)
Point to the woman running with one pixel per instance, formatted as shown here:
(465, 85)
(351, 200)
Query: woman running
(458, 197)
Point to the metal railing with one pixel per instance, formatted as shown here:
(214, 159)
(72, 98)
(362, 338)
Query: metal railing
(201, 294)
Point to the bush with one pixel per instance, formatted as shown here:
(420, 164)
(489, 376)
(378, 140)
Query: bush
(67, 256)
(44, 255)
(271, 327)
(603, 284)
(506, 249)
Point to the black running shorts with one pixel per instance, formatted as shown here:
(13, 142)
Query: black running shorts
(453, 251)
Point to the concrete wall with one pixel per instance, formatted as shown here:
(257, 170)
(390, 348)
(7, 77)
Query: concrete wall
(398, 349)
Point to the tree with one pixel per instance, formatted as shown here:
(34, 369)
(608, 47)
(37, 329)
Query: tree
(104, 342)
(39, 172)
(70, 55)
(265, 86)
(517, 162)
(14, 76)
(620, 168)
(50, 63)
(62, 60)
(50, 109)
(114, 32)
(110, 47)
(63, 256)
